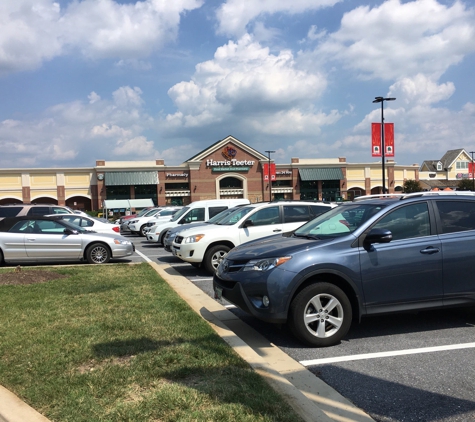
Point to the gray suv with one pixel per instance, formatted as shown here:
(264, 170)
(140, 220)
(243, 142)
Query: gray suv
(371, 256)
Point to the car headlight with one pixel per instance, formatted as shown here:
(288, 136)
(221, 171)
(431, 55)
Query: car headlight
(193, 239)
(265, 264)
(122, 242)
(133, 221)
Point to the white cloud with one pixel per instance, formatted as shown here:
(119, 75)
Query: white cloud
(34, 31)
(398, 39)
(234, 15)
(245, 79)
(81, 131)
(421, 90)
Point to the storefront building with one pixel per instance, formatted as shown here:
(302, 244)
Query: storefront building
(227, 169)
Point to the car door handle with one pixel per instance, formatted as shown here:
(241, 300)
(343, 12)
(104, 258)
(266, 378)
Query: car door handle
(277, 230)
(430, 250)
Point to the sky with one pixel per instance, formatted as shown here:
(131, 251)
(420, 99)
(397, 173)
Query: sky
(126, 80)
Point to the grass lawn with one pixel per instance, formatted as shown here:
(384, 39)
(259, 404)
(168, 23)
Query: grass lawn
(116, 343)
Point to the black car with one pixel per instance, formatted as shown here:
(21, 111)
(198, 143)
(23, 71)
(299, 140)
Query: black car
(371, 256)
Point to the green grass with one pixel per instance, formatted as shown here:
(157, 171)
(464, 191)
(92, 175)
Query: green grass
(115, 343)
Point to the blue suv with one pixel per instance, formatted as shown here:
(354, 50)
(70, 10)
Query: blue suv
(375, 255)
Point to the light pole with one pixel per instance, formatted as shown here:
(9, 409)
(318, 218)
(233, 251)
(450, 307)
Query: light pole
(383, 149)
(473, 171)
(270, 181)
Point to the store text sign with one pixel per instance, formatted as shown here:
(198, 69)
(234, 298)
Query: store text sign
(230, 162)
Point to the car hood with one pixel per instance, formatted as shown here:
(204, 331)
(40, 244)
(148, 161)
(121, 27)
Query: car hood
(272, 246)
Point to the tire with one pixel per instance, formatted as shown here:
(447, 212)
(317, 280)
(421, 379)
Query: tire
(213, 257)
(141, 232)
(97, 253)
(162, 237)
(335, 315)
(2, 261)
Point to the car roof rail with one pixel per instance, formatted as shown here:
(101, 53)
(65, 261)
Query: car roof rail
(379, 196)
(438, 193)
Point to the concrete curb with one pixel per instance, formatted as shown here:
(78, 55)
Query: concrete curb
(13, 409)
(309, 396)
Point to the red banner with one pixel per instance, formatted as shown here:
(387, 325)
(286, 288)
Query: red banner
(266, 172)
(376, 139)
(388, 139)
(470, 169)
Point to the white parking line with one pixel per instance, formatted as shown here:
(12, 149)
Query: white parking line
(146, 258)
(387, 354)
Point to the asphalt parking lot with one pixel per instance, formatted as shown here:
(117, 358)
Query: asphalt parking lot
(407, 367)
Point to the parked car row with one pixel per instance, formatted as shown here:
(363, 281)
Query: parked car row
(202, 241)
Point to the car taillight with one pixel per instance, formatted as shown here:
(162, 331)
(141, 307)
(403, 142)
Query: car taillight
(116, 229)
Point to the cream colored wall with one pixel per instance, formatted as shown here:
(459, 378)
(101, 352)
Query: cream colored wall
(77, 179)
(10, 186)
(43, 180)
(43, 192)
(69, 193)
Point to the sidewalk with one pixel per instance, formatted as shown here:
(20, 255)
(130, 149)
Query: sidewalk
(309, 396)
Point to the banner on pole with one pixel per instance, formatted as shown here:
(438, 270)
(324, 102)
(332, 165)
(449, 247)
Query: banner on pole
(388, 140)
(266, 172)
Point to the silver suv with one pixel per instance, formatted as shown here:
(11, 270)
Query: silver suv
(18, 210)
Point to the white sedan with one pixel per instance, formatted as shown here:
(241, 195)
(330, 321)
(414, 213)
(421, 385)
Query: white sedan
(91, 224)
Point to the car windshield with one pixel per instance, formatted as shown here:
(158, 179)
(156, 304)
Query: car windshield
(180, 213)
(150, 213)
(220, 216)
(339, 221)
(144, 211)
(235, 216)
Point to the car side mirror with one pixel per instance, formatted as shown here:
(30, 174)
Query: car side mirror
(378, 236)
(70, 231)
(247, 223)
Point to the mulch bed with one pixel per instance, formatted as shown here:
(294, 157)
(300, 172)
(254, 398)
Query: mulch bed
(19, 276)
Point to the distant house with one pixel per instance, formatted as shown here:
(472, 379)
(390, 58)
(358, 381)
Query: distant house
(445, 172)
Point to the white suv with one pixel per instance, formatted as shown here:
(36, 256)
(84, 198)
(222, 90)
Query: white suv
(138, 225)
(207, 245)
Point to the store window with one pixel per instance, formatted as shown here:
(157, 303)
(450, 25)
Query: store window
(330, 190)
(230, 183)
(118, 192)
(145, 192)
(309, 190)
(177, 186)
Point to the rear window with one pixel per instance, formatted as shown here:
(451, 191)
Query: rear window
(10, 211)
(216, 210)
(456, 216)
(296, 213)
(38, 211)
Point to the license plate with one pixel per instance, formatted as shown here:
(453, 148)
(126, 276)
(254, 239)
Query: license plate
(174, 251)
(218, 292)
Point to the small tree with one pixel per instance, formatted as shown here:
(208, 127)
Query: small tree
(412, 186)
(465, 184)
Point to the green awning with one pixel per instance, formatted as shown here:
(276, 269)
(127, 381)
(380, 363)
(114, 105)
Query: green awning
(129, 178)
(329, 173)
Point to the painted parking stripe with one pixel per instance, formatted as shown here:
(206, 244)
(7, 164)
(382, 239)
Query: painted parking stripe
(146, 258)
(387, 354)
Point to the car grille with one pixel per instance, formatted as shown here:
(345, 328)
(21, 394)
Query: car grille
(179, 239)
(233, 266)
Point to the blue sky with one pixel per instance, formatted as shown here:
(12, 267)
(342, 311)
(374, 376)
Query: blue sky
(163, 79)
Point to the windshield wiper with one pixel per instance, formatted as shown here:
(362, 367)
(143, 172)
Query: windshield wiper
(308, 236)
